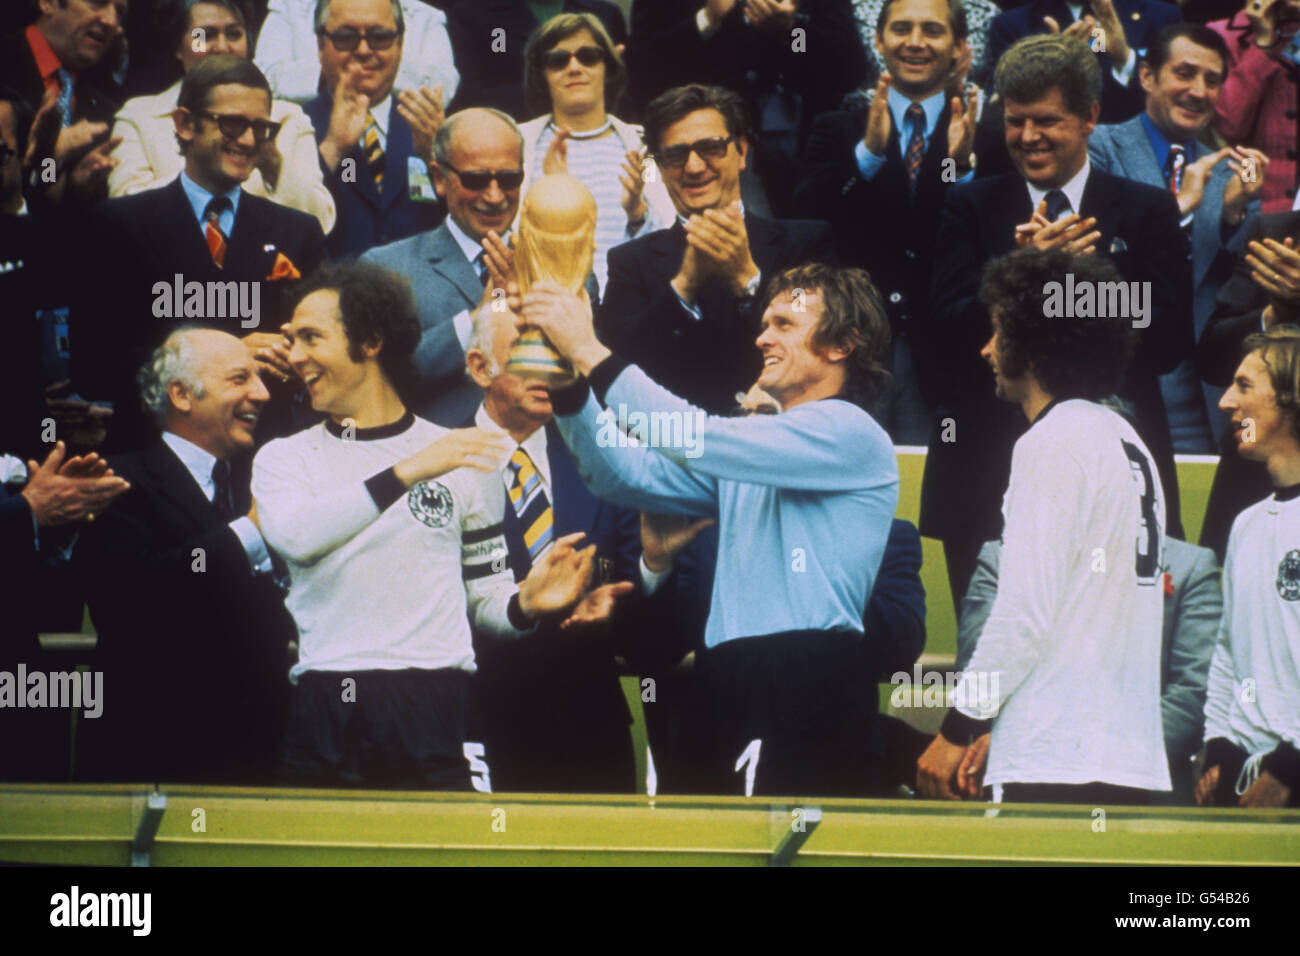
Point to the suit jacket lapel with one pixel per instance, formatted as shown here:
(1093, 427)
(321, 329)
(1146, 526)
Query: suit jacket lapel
(447, 259)
(1100, 201)
(246, 248)
(1139, 159)
(177, 238)
(396, 150)
(174, 482)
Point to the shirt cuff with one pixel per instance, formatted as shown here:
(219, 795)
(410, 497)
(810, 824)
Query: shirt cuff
(868, 162)
(463, 324)
(1125, 73)
(702, 23)
(604, 374)
(651, 580)
(258, 558)
(515, 614)
(385, 489)
(569, 399)
(694, 310)
(961, 730)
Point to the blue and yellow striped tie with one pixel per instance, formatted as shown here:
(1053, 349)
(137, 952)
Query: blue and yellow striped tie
(374, 151)
(531, 505)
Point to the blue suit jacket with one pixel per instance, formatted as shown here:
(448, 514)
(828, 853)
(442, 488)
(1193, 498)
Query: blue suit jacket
(367, 217)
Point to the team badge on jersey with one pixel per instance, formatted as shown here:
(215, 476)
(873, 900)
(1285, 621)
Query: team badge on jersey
(430, 502)
(1288, 576)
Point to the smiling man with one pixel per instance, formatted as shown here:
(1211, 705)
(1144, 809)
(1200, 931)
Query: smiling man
(783, 676)
(1055, 199)
(1252, 711)
(1182, 74)
(204, 228)
(193, 634)
(680, 302)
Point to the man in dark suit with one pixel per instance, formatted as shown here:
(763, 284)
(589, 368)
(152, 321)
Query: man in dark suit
(882, 190)
(555, 718)
(488, 39)
(446, 266)
(1119, 31)
(199, 249)
(1182, 74)
(65, 50)
(1050, 86)
(1263, 293)
(369, 135)
(193, 634)
(679, 301)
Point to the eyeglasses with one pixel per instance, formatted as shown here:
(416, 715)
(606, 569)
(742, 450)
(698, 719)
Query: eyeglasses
(477, 180)
(675, 157)
(347, 40)
(234, 127)
(559, 59)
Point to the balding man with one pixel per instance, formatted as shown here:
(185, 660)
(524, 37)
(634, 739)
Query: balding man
(478, 163)
(193, 634)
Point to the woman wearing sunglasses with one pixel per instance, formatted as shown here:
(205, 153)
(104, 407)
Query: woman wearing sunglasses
(572, 73)
(288, 171)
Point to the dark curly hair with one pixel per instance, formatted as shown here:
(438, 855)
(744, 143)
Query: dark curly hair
(377, 307)
(1071, 357)
(1279, 350)
(853, 317)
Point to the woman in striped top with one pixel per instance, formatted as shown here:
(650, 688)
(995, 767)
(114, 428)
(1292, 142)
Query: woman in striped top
(572, 71)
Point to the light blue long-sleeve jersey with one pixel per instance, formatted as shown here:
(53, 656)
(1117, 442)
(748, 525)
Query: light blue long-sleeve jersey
(803, 499)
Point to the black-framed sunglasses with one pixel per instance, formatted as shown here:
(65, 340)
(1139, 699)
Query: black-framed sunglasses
(675, 157)
(588, 56)
(234, 127)
(477, 180)
(347, 40)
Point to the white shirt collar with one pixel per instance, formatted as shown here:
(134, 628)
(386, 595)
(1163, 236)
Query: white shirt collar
(467, 245)
(534, 445)
(1073, 189)
(382, 112)
(899, 104)
(196, 461)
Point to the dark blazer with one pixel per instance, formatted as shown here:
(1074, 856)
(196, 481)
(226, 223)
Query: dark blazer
(491, 65)
(965, 479)
(195, 662)
(553, 705)
(1238, 311)
(367, 217)
(705, 361)
(879, 225)
(95, 97)
(135, 242)
(1142, 20)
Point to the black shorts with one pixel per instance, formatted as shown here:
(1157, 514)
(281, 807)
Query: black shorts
(790, 714)
(400, 729)
(1099, 794)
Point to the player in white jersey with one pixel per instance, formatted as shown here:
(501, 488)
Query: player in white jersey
(1252, 709)
(391, 527)
(1062, 695)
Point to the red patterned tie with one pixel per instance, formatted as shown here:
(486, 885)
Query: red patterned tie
(1177, 162)
(915, 145)
(212, 229)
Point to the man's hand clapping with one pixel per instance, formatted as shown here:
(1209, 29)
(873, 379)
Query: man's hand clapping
(61, 490)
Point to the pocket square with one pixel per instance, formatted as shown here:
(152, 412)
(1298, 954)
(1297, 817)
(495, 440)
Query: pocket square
(1118, 245)
(283, 268)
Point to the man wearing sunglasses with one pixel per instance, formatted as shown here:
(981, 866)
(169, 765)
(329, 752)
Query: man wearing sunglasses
(203, 228)
(679, 301)
(369, 133)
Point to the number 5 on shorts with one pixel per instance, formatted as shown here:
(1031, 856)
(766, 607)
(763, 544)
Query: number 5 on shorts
(480, 775)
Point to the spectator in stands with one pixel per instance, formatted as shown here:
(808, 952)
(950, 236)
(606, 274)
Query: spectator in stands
(680, 301)
(477, 171)
(789, 61)
(1182, 74)
(1118, 31)
(372, 138)
(978, 14)
(287, 49)
(576, 134)
(200, 228)
(489, 40)
(392, 531)
(1257, 107)
(1251, 727)
(1054, 200)
(1262, 294)
(555, 719)
(287, 172)
(193, 634)
(882, 189)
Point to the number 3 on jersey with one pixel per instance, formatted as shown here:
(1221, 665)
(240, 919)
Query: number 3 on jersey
(1148, 541)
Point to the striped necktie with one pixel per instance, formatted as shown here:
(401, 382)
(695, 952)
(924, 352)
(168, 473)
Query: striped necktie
(374, 151)
(915, 145)
(212, 229)
(1174, 167)
(65, 96)
(531, 505)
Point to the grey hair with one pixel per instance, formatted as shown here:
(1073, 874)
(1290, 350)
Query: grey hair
(323, 14)
(442, 140)
(173, 361)
(481, 338)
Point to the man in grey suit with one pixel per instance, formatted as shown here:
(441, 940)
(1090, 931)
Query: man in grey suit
(1182, 74)
(477, 169)
(1193, 606)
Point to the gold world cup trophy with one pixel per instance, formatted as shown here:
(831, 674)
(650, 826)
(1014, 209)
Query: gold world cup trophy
(555, 242)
